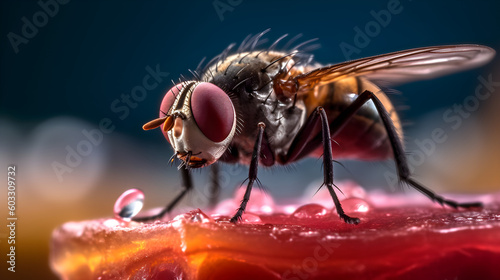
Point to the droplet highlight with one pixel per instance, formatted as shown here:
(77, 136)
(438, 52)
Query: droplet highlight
(355, 205)
(310, 211)
(128, 205)
(249, 218)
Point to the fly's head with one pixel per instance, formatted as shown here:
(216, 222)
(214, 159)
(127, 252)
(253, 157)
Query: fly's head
(198, 119)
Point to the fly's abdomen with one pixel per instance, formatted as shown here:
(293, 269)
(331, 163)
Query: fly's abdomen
(364, 136)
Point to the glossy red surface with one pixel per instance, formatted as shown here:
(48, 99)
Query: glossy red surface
(398, 238)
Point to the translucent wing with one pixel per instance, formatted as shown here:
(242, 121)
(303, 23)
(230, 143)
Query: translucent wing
(403, 66)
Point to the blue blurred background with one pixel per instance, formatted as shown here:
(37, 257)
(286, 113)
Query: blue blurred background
(64, 69)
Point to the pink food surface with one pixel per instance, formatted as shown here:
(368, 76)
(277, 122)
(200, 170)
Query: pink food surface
(399, 237)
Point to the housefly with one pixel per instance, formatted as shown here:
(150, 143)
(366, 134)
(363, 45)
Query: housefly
(264, 107)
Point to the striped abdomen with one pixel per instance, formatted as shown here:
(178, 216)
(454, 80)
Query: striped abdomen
(364, 136)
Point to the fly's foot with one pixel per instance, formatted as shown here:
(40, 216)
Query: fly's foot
(237, 217)
(350, 220)
(468, 205)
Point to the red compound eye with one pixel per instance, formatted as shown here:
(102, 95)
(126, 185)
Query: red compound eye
(213, 111)
(168, 99)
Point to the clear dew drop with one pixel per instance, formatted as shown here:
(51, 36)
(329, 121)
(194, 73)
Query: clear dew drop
(310, 211)
(200, 217)
(355, 205)
(251, 218)
(128, 204)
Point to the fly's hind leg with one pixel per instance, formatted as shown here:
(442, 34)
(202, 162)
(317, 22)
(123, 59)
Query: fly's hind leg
(187, 183)
(399, 155)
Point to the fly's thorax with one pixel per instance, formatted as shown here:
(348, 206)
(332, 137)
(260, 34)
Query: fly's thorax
(249, 78)
(204, 122)
(250, 73)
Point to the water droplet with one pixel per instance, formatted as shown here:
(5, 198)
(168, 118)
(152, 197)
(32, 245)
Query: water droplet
(111, 223)
(351, 189)
(310, 211)
(251, 218)
(128, 204)
(355, 205)
(289, 209)
(200, 217)
(260, 202)
(282, 233)
(226, 207)
(310, 233)
(323, 197)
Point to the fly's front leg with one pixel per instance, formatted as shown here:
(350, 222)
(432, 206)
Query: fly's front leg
(252, 174)
(187, 184)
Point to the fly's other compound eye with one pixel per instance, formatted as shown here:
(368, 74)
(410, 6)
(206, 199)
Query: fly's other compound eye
(169, 98)
(213, 111)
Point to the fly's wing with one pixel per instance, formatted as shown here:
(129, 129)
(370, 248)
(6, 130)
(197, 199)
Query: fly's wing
(401, 67)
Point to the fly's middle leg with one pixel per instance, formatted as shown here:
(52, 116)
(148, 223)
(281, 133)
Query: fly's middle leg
(304, 144)
(328, 166)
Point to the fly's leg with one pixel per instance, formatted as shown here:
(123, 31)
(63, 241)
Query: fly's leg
(328, 166)
(318, 121)
(187, 184)
(400, 158)
(252, 174)
(397, 148)
(214, 185)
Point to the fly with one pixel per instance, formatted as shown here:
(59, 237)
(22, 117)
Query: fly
(267, 107)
